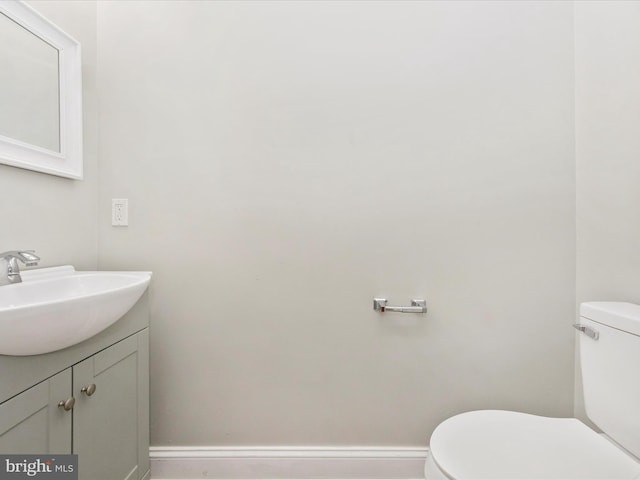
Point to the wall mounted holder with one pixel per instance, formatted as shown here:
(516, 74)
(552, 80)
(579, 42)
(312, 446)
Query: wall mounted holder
(417, 306)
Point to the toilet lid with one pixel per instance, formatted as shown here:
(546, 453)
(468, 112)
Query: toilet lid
(496, 444)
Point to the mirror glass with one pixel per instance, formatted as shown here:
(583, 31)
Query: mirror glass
(29, 87)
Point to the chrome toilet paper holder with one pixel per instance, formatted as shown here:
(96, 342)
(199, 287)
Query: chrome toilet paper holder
(417, 306)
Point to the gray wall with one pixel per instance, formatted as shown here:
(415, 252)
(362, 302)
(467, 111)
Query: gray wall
(608, 153)
(285, 162)
(56, 216)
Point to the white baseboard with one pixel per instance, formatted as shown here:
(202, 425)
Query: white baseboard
(287, 463)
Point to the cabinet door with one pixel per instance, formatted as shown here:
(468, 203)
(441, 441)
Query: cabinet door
(111, 425)
(32, 422)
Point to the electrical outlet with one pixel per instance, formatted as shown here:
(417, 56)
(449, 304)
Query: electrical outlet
(119, 212)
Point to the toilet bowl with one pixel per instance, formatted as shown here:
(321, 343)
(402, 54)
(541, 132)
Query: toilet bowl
(498, 444)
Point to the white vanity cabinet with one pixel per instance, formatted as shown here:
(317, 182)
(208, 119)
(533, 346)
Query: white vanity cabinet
(105, 388)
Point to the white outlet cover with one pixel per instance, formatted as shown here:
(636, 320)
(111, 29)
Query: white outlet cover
(119, 212)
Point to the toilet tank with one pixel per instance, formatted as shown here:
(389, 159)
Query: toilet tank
(610, 366)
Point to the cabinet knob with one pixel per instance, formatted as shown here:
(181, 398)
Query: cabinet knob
(67, 404)
(90, 390)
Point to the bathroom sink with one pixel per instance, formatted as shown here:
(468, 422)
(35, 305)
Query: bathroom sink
(55, 308)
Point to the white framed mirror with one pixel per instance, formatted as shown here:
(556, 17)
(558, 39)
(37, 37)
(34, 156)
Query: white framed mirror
(40, 93)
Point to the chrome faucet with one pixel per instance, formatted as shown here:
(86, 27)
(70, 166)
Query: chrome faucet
(12, 274)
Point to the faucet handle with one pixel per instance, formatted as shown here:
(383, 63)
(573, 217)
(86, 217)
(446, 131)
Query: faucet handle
(28, 257)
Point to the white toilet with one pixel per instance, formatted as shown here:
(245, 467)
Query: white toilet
(497, 444)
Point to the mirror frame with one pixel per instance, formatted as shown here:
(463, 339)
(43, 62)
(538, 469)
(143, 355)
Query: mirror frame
(68, 161)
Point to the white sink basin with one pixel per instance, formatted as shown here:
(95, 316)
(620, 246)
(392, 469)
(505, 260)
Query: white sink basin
(54, 308)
